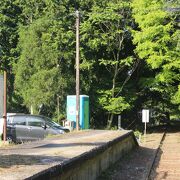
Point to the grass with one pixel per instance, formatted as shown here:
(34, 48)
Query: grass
(5, 144)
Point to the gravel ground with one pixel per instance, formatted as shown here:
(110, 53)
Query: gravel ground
(135, 165)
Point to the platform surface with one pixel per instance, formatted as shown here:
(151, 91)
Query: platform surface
(24, 160)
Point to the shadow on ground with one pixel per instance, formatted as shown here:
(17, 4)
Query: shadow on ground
(54, 145)
(17, 155)
(7, 161)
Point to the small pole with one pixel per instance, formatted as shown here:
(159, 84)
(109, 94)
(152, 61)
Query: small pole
(32, 109)
(5, 106)
(58, 107)
(77, 69)
(145, 131)
(119, 122)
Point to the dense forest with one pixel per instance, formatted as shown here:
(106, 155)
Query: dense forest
(129, 57)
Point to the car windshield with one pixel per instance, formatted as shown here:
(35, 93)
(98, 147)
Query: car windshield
(51, 123)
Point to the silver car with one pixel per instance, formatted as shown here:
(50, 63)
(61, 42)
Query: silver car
(25, 127)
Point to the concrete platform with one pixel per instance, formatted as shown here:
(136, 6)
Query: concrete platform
(78, 155)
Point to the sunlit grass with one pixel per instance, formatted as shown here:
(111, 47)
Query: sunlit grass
(5, 144)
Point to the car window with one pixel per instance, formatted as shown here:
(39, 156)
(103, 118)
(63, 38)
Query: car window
(35, 121)
(19, 120)
(10, 120)
(52, 124)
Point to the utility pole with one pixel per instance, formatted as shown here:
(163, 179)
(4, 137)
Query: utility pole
(5, 100)
(77, 69)
(58, 106)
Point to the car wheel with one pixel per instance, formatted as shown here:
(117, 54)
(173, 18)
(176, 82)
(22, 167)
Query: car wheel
(9, 139)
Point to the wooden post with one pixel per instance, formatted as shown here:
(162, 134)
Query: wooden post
(5, 105)
(77, 70)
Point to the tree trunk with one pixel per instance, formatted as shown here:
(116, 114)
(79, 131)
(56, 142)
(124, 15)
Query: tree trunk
(111, 116)
(110, 120)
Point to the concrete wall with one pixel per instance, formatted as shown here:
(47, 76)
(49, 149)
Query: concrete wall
(90, 165)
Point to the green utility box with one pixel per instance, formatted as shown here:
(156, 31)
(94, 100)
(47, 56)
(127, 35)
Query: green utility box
(84, 110)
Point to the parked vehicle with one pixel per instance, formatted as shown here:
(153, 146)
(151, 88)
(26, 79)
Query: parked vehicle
(1, 128)
(25, 127)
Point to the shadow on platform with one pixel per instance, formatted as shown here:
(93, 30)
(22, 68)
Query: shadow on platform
(8, 161)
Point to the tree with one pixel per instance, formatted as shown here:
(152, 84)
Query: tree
(44, 67)
(106, 33)
(47, 52)
(9, 17)
(157, 43)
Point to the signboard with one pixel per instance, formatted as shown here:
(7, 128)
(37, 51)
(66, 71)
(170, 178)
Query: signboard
(145, 119)
(1, 95)
(145, 115)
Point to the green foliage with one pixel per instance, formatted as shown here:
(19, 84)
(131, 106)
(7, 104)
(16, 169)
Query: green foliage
(9, 16)
(176, 97)
(157, 42)
(129, 56)
(40, 70)
(153, 37)
(107, 29)
(114, 105)
(137, 134)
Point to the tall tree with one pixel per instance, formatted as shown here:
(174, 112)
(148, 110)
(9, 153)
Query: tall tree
(157, 43)
(106, 33)
(45, 66)
(9, 16)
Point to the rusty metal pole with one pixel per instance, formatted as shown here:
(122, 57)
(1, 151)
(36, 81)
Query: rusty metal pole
(77, 69)
(5, 105)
